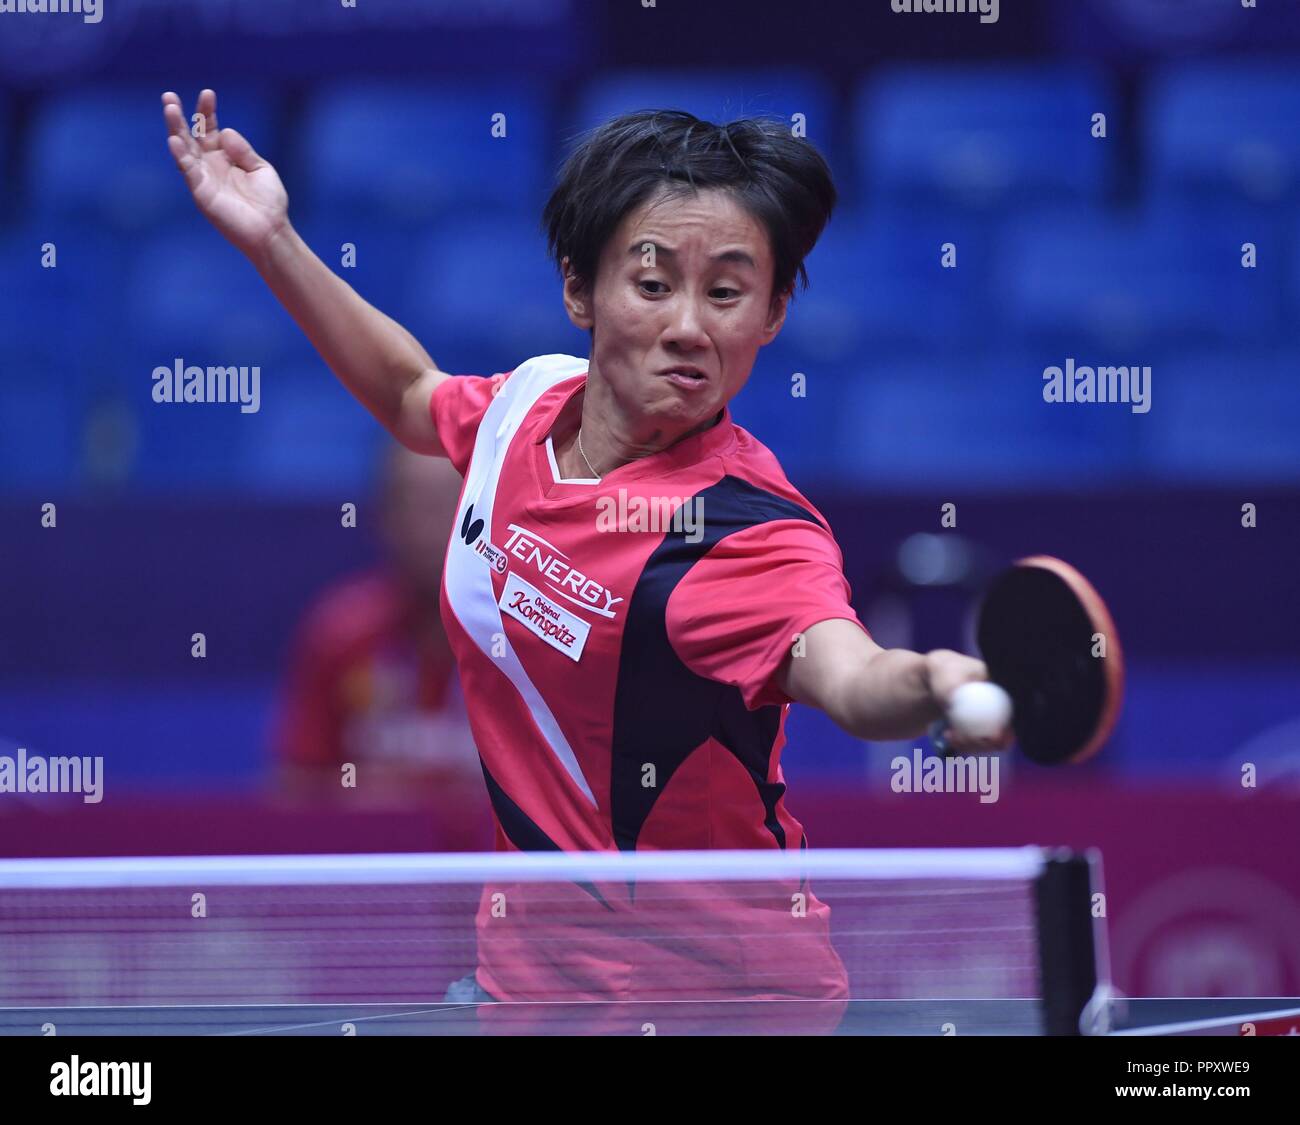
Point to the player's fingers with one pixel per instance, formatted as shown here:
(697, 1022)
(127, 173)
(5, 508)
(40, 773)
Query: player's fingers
(174, 119)
(239, 150)
(187, 160)
(206, 108)
(1002, 740)
(977, 744)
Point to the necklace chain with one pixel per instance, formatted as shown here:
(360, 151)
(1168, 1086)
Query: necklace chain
(584, 456)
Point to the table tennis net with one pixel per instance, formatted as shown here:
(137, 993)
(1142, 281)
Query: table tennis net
(826, 928)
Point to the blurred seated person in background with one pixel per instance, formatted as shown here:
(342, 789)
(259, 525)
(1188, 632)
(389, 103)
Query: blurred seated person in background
(371, 681)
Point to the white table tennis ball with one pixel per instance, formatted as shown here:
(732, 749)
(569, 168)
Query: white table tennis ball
(980, 710)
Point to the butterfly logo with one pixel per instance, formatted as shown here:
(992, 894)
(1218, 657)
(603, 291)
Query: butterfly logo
(470, 528)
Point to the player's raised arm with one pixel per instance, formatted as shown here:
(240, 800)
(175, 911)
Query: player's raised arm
(380, 362)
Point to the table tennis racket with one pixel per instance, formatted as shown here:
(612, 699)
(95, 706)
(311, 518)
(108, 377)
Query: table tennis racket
(1050, 644)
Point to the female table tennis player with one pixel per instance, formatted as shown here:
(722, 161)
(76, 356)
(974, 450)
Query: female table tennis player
(627, 681)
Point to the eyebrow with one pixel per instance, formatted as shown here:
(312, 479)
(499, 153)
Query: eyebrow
(737, 256)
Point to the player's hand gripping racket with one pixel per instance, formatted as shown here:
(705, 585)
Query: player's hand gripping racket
(1051, 647)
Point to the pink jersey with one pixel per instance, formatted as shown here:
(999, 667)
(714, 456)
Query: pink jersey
(618, 641)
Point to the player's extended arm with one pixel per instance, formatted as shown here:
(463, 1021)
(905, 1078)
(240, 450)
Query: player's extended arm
(875, 693)
(380, 362)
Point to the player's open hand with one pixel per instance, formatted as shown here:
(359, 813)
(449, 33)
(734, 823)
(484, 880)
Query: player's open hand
(237, 190)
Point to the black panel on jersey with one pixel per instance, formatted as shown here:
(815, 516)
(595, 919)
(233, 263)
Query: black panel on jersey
(663, 710)
(522, 831)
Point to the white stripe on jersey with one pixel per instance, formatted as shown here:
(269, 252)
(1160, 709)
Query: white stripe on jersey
(469, 581)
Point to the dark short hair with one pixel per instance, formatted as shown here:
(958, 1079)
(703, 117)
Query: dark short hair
(780, 179)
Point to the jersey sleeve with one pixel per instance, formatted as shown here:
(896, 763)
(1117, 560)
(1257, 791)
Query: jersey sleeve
(735, 615)
(457, 407)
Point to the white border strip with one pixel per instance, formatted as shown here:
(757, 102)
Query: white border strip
(482, 867)
(1191, 1027)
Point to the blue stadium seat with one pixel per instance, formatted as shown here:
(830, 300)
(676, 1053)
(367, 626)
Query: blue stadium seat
(794, 428)
(1226, 127)
(975, 422)
(984, 136)
(190, 296)
(382, 254)
(138, 726)
(101, 153)
(38, 429)
(876, 280)
(311, 437)
(1075, 278)
(484, 284)
(189, 293)
(61, 300)
(411, 151)
(1225, 417)
(59, 335)
(195, 447)
(716, 97)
